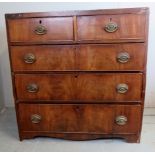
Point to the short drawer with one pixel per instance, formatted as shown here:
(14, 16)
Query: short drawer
(41, 29)
(83, 118)
(43, 58)
(111, 27)
(79, 87)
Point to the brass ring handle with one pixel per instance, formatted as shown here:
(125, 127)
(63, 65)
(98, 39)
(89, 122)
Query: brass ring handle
(122, 88)
(32, 88)
(35, 118)
(40, 30)
(29, 58)
(123, 57)
(111, 27)
(121, 120)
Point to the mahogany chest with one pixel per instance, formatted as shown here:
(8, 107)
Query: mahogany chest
(79, 75)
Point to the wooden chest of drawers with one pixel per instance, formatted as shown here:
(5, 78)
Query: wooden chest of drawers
(80, 74)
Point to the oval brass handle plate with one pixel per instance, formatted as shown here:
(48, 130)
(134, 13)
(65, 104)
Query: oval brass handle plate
(111, 27)
(32, 88)
(35, 118)
(29, 58)
(123, 57)
(40, 30)
(122, 88)
(121, 120)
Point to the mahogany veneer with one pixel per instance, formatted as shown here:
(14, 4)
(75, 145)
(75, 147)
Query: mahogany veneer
(79, 75)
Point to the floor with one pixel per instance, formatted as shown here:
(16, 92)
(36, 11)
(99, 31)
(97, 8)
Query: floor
(9, 140)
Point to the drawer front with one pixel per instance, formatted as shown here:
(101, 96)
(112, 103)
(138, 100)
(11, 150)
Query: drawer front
(111, 27)
(81, 118)
(111, 57)
(43, 58)
(41, 29)
(84, 57)
(79, 87)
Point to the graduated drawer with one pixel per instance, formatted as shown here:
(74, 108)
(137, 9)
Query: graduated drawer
(79, 87)
(79, 118)
(83, 57)
(111, 27)
(40, 29)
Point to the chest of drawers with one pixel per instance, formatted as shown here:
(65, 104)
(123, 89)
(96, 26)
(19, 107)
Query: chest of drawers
(79, 75)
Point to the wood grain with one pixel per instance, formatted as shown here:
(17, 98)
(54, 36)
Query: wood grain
(80, 118)
(79, 58)
(140, 10)
(57, 29)
(129, 27)
(104, 57)
(77, 72)
(79, 87)
(48, 58)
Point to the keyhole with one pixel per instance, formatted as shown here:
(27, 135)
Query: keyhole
(77, 108)
(40, 21)
(110, 19)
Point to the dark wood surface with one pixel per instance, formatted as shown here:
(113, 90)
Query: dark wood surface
(77, 71)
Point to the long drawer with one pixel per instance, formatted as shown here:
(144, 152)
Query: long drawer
(111, 27)
(83, 118)
(94, 57)
(79, 87)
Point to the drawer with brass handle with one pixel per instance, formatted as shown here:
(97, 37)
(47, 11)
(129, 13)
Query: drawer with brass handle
(111, 27)
(63, 87)
(40, 29)
(115, 118)
(94, 57)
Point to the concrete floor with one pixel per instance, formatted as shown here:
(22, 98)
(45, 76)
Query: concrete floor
(9, 140)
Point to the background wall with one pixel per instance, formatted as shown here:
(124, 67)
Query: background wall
(6, 97)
